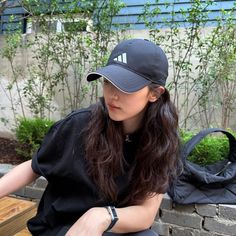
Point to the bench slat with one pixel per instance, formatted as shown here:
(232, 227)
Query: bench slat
(14, 213)
(24, 232)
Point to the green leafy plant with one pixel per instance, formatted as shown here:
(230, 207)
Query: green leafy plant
(30, 133)
(66, 39)
(211, 149)
(13, 42)
(202, 59)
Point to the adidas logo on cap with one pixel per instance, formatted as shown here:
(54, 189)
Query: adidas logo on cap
(121, 58)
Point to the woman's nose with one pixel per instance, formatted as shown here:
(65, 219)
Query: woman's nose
(114, 92)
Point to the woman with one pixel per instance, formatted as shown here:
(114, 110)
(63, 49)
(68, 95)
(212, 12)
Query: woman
(108, 165)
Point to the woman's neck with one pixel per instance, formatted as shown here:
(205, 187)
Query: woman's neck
(132, 125)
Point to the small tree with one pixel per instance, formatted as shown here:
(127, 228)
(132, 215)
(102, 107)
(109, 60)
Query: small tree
(13, 42)
(61, 59)
(192, 56)
(221, 74)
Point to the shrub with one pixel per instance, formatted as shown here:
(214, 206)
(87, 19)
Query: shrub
(30, 133)
(211, 149)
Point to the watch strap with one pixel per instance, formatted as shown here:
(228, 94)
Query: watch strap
(114, 218)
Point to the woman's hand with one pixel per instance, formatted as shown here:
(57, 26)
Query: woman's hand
(93, 222)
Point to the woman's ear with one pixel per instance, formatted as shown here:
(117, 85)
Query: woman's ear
(156, 93)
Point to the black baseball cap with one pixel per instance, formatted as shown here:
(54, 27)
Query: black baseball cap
(134, 64)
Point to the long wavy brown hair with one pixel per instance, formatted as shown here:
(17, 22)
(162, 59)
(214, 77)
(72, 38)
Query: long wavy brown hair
(155, 161)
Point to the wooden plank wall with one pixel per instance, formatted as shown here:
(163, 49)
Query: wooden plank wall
(11, 16)
(134, 8)
(15, 13)
(129, 15)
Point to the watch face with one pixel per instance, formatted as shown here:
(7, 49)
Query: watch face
(113, 209)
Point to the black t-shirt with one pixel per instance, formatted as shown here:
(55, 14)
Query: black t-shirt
(70, 191)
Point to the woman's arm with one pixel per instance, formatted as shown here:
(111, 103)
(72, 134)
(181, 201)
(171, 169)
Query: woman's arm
(138, 217)
(131, 219)
(18, 177)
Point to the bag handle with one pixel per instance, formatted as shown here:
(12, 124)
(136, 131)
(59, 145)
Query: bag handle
(189, 146)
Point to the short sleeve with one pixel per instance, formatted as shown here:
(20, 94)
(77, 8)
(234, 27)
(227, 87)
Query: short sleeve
(48, 154)
(58, 147)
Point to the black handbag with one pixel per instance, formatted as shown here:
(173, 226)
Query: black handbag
(211, 184)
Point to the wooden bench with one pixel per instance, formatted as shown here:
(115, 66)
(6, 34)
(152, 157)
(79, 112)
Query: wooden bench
(23, 232)
(14, 213)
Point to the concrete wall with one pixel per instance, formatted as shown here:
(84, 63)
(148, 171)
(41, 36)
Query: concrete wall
(173, 219)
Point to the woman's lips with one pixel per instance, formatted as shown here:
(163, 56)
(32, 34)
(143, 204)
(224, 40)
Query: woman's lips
(112, 106)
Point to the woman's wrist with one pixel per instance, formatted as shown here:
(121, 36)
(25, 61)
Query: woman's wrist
(100, 218)
(106, 219)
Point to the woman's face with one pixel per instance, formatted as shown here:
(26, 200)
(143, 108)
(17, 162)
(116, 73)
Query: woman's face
(128, 108)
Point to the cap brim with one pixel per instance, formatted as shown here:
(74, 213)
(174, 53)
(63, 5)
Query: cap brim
(125, 80)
